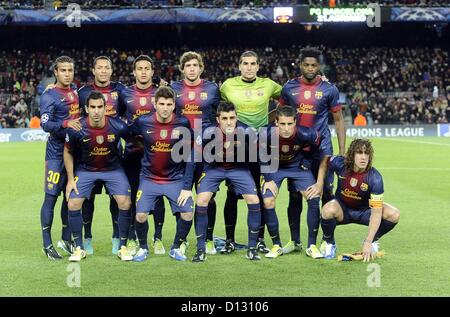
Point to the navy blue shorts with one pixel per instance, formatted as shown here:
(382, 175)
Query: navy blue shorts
(361, 216)
(300, 179)
(55, 177)
(327, 183)
(149, 192)
(115, 181)
(240, 178)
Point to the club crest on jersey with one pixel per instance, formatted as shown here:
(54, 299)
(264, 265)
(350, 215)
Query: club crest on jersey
(307, 94)
(203, 95)
(353, 182)
(319, 95)
(142, 101)
(111, 137)
(163, 133)
(191, 95)
(260, 92)
(99, 139)
(364, 187)
(175, 134)
(114, 95)
(71, 96)
(285, 148)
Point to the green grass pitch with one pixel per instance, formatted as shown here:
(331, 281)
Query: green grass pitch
(416, 174)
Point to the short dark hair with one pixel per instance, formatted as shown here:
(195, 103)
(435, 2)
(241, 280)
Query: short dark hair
(225, 107)
(164, 92)
(102, 57)
(62, 59)
(95, 95)
(310, 52)
(143, 58)
(249, 54)
(286, 111)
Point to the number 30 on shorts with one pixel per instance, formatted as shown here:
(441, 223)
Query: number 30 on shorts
(53, 177)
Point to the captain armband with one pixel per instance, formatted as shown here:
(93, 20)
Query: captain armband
(376, 201)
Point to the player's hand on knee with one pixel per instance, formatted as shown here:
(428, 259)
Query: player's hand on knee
(272, 187)
(71, 185)
(313, 191)
(184, 196)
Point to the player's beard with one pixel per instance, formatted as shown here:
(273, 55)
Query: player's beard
(310, 77)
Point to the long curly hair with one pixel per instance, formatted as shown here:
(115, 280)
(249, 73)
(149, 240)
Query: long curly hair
(357, 146)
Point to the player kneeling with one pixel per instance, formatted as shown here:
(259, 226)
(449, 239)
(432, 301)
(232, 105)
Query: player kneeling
(359, 199)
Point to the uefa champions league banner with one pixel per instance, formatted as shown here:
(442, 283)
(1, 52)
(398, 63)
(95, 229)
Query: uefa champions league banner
(140, 16)
(420, 14)
(396, 131)
(441, 130)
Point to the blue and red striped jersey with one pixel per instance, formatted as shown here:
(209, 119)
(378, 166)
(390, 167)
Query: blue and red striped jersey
(158, 163)
(197, 102)
(356, 190)
(57, 107)
(114, 107)
(95, 149)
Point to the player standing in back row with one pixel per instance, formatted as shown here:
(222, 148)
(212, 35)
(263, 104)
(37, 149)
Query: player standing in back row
(251, 96)
(314, 99)
(197, 100)
(59, 109)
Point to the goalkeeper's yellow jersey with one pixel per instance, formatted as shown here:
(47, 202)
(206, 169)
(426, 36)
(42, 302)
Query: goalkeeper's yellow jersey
(251, 99)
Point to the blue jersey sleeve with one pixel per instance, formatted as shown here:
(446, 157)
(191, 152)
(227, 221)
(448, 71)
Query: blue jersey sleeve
(71, 140)
(283, 100)
(375, 182)
(336, 163)
(47, 108)
(334, 100)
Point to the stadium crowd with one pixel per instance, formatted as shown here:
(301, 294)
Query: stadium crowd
(386, 85)
(96, 4)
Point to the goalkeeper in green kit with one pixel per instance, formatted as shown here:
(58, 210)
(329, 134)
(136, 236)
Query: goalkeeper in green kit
(252, 97)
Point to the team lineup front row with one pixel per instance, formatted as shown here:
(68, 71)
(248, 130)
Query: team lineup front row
(86, 153)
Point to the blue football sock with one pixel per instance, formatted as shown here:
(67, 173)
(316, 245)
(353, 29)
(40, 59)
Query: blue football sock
(294, 211)
(124, 226)
(47, 218)
(313, 220)
(328, 227)
(253, 222)
(142, 232)
(272, 225)
(212, 209)
(114, 209)
(201, 224)
(132, 232)
(230, 214)
(88, 215)
(158, 217)
(76, 227)
(183, 228)
(385, 227)
(66, 232)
